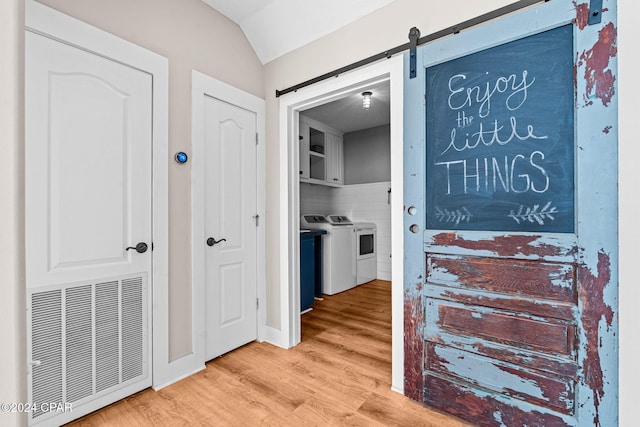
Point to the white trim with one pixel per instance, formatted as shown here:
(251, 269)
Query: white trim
(290, 105)
(397, 229)
(202, 84)
(628, 231)
(275, 337)
(320, 126)
(185, 373)
(43, 20)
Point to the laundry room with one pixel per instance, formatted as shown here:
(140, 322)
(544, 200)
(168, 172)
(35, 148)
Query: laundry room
(345, 186)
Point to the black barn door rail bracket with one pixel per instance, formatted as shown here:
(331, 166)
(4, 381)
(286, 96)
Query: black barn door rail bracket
(505, 10)
(414, 36)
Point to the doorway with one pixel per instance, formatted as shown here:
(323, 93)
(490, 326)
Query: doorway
(290, 107)
(345, 170)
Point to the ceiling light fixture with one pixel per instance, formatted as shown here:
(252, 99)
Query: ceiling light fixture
(366, 100)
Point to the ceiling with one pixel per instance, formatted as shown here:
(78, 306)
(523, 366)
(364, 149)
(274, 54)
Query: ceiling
(347, 115)
(276, 27)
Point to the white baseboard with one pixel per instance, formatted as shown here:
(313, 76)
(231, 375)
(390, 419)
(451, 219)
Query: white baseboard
(397, 389)
(275, 337)
(384, 276)
(178, 378)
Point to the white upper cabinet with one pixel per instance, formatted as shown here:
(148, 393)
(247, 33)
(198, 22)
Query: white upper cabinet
(304, 150)
(321, 153)
(334, 160)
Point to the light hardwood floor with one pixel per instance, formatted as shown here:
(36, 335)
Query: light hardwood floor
(340, 374)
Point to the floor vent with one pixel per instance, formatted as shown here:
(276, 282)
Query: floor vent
(86, 341)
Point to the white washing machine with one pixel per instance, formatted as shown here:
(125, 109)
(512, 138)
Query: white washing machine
(366, 253)
(338, 264)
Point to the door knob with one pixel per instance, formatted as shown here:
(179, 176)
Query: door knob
(211, 241)
(140, 247)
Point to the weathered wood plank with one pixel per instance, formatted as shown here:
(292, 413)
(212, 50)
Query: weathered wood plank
(550, 391)
(508, 276)
(549, 246)
(486, 409)
(514, 330)
(541, 308)
(550, 364)
(414, 322)
(598, 333)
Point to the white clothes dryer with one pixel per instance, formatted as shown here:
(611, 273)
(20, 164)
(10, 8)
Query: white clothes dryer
(366, 252)
(338, 264)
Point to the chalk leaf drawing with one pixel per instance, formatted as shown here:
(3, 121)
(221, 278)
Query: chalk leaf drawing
(532, 214)
(457, 216)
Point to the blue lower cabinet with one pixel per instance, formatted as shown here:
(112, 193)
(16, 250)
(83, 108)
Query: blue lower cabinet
(310, 267)
(307, 271)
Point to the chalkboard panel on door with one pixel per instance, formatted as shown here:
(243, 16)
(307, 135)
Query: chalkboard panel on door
(500, 137)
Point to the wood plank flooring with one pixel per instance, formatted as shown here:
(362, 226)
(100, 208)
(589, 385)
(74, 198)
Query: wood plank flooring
(340, 374)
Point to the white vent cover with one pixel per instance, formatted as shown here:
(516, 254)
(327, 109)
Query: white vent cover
(86, 341)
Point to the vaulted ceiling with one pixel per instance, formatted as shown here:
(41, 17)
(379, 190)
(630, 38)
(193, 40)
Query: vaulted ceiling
(275, 27)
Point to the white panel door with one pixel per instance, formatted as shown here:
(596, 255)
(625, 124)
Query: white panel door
(88, 199)
(88, 172)
(230, 226)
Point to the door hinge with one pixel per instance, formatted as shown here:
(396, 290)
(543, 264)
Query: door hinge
(257, 303)
(257, 138)
(257, 218)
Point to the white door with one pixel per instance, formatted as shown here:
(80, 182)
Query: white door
(230, 226)
(88, 226)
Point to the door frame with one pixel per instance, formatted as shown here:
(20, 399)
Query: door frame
(390, 70)
(50, 23)
(201, 85)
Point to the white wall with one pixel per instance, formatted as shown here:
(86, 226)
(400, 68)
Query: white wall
(316, 199)
(629, 192)
(368, 203)
(192, 36)
(13, 372)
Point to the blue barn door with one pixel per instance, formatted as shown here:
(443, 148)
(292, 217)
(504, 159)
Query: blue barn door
(510, 197)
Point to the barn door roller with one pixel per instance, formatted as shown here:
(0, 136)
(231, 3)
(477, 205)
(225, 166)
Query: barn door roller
(414, 35)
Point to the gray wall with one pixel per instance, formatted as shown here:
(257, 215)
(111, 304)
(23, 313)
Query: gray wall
(367, 155)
